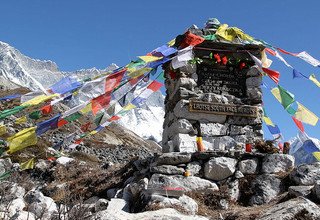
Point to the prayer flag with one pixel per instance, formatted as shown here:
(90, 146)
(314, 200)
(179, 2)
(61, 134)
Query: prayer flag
(212, 37)
(283, 96)
(165, 50)
(65, 85)
(308, 58)
(9, 97)
(274, 129)
(28, 164)
(278, 55)
(149, 59)
(139, 72)
(35, 115)
(171, 43)
(268, 121)
(297, 74)
(316, 155)
(309, 146)
(270, 51)
(231, 33)
(85, 127)
(191, 39)
(47, 109)
(298, 123)
(155, 86)
(305, 115)
(12, 111)
(312, 77)
(62, 122)
(86, 109)
(274, 75)
(22, 139)
(182, 58)
(21, 120)
(44, 126)
(39, 99)
(266, 63)
(73, 117)
(3, 130)
(30, 95)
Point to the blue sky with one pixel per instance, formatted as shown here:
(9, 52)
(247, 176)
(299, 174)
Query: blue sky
(80, 34)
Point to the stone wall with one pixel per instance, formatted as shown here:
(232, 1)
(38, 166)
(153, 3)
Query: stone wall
(199, 81)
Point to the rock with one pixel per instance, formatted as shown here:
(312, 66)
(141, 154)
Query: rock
(91, 200)
(101, 204)
(42, 165)
(297, 208)
(213, 129)
(13, 190)
(219, 168)
(316, 190)
(254, 82)
(306, 174)
(16, 205)
(255, 95)
(219, 143)
(5, 165)
(274, 163)
(23, 215)
(182, 126)
(64, 160)
(173, 158)
(266, 187)
(184, 143)
(239, 130)
(191, 183)
(186, 203)
(194, 168)
(40, 205)
(238, 174)
(187, 83)
(223, 203)
(233, 190)
(167, 169)
(249, 166)
(300, 190)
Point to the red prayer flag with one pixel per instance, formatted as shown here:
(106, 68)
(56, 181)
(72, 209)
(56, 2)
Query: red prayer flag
(78, 141)
(270, 51)
(62, 122)
(45, 110)
(85, 127)
(114, 118)
(100, 102)
(274, 75)
(113, 80)
(191, 40)
(298, 123)
(155, 86)
(286, 52)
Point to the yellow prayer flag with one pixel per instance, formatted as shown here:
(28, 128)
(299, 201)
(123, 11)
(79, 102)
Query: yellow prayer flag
(268, 121)
(305, 115)
(316, 155)
(3, 129)
(266, 63)
(21, 120)
(172, 42)
(86, 109)
(129, 107)
(28, 164)
(312, 77)
(22, 139)
(93, 132)
(231, 33)
(276, 93)
(39, 99)
(149, 59)
(139, 72)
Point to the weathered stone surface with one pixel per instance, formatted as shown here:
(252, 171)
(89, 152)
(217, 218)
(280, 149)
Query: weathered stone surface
(266, 187)
(219, 143)
(186, 203)
(238, 174)
(194, 168)
(173, 158)
(253, 82)
(14, 191)
(297, 208)
(306, 174)
(188, 183)
(233, 190)
(220, 168)
(255, 95)
(274, 163)
(316, 189)
(181, 110)
(300, 190)
(5, 165)
(187, 83)
(182, 126)
(214, 98)
(249, 166)
(101, 204)
(184, 143)
(213, 129)
(167, 169)
(238, 130)
(16, 205)
(253, 71)
(23, 215)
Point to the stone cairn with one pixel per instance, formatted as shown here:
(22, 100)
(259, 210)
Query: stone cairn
(219, 101)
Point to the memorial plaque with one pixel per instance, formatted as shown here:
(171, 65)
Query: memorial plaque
(223, 109)
(225, 80)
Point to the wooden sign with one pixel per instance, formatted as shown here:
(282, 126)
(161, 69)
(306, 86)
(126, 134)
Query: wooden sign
(223, 109)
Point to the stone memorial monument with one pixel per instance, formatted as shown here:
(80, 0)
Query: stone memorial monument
(216, 96)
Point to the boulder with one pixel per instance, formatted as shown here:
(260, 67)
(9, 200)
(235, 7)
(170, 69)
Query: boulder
(233, 190)
(213, 129)
(194, 168)
(182, 126)
(16, 205)
(13, 190)
(274, 163)
(64, 160)
(101, 204)
(297, 208)
(5, 165)
(249, 166)
(266, 187)
(23, 215)
(316, 190)
(173, 158)
(167, 169)
(306, 174)
(300, 190)
(254, 82)
(184, 143)
(191, 183)
(220, 168)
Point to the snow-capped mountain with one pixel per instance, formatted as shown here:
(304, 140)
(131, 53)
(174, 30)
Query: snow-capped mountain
(299, 148)
(17, 70)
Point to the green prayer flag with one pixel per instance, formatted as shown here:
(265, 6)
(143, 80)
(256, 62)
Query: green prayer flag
(35, 115)
(210, 37)
(286, 97)
(12, 111)
(291, 110)
(98, 118)
(161, 76)
(5, 175)
(73, 117)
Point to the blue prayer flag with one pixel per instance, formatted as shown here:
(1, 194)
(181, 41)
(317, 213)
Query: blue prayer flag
(65, 85)
(310, 147)
(44, 126)
(274, 130)
(297, 74)
(9, 97)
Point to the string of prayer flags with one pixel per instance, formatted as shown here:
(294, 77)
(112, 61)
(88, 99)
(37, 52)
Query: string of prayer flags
(3, 130)
(231, 33)
(274, 75)
(298, 123)
(312, 77)
(283, 96)
(8, 112)
(73, 117)
(39, 99)
(10, 97)
(21, 120)
(31, 95)
(44, 126)
(304, 56)
(25, 138)
(28, 164)
(305, 115)
(65, 85)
